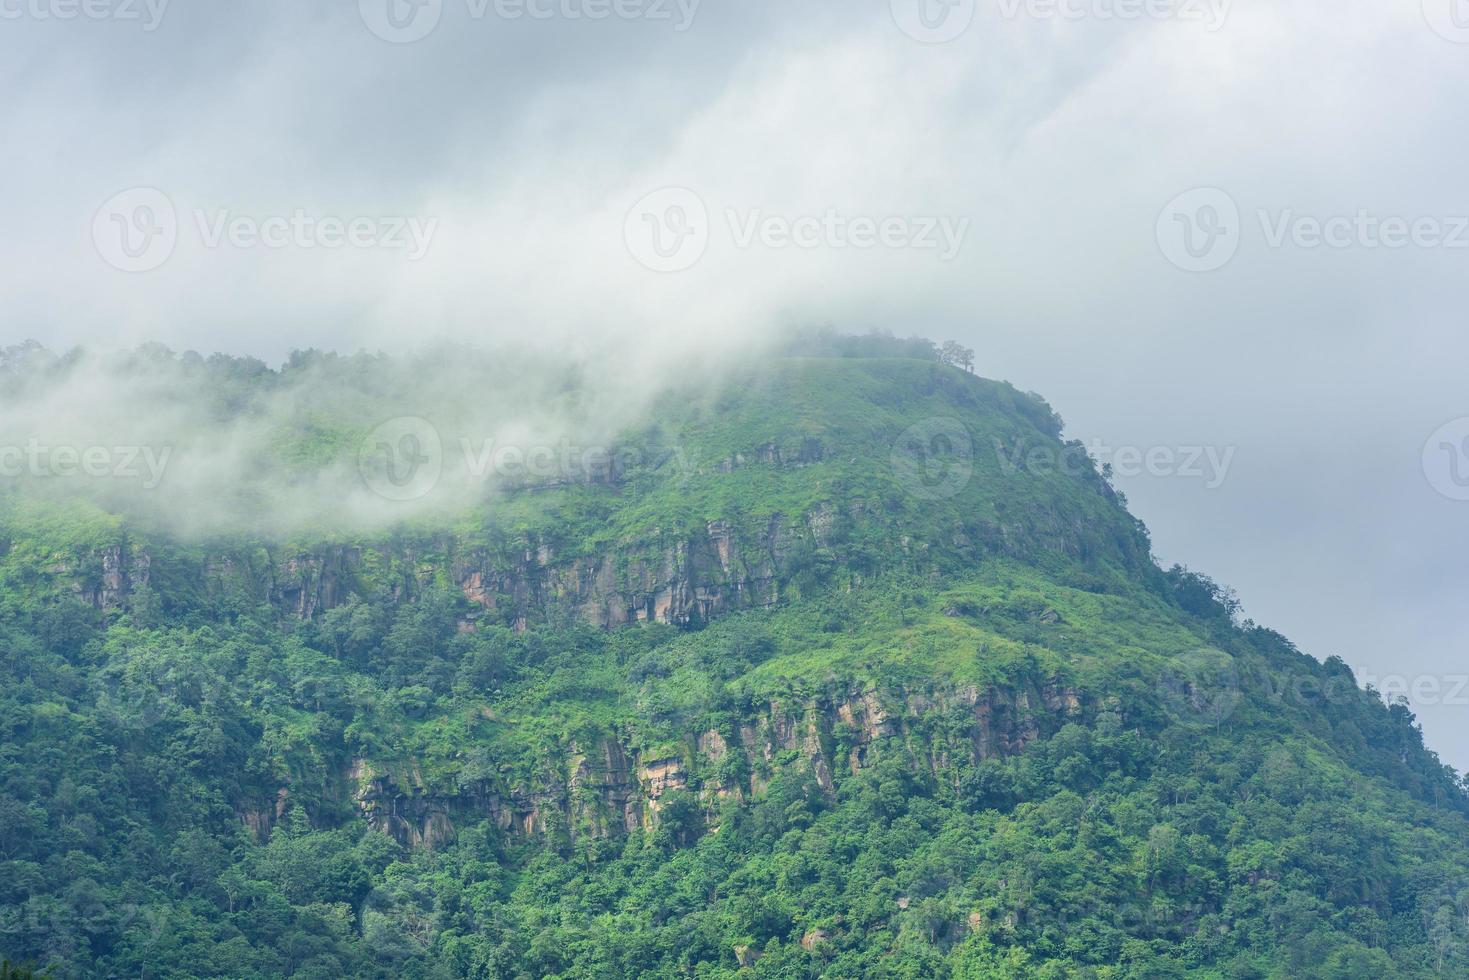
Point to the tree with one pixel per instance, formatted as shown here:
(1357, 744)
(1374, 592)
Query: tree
(958, 355)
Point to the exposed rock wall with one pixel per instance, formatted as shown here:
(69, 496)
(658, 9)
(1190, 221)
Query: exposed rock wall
(682, 580)
(689, 579)
(609, 788)
(106, 578)
(683, 577)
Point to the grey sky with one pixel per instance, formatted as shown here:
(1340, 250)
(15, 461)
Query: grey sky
(1049, 139)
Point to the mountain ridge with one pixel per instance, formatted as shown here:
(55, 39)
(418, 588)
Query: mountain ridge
(829, 679)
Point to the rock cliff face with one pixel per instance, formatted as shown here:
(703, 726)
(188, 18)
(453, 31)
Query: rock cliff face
(672, 579)
(609, 788)
(681, 576)
(684, 575)
(106, 578)
(689, 579)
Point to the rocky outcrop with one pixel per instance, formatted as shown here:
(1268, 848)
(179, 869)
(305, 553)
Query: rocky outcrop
(605, 796)
(261, 817)
(682, 579)
(608, 787)
(107, 578)
(659, 777)
(304, 585)
(686, 580)
(683, 576)
(407, 813)
(747, 956)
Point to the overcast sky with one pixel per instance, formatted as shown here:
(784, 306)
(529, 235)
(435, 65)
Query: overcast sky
(1230, 231)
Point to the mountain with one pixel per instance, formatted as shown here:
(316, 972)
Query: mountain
(848, 665)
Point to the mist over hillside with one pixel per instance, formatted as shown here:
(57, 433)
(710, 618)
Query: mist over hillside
(733, 490)
(226, 444)
(842, 661)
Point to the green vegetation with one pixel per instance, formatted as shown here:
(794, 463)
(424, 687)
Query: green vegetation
(934, 713)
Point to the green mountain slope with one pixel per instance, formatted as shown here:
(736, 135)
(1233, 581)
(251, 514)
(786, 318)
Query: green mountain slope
(850, 667)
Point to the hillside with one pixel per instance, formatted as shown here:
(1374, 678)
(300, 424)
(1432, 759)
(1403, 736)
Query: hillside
(850, 666)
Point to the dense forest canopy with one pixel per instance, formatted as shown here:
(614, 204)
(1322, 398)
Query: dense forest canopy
(815, 685)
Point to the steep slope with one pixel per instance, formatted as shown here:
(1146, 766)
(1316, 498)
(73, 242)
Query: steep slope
(851, 668)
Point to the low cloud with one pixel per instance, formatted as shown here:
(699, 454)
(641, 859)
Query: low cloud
(324, 444)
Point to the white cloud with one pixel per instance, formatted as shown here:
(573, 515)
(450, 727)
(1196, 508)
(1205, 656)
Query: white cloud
(1058, 140)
